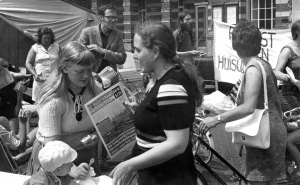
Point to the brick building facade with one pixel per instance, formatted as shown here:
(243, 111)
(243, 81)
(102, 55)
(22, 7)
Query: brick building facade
(268, 14)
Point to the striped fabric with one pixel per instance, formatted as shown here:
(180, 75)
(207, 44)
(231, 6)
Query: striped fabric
(233, 92)
(171, 94)
(11, 142)
(148, 141)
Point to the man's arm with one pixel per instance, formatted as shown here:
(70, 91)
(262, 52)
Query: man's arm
(118, 56)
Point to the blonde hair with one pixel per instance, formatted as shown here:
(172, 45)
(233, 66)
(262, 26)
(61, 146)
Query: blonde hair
(56, 85)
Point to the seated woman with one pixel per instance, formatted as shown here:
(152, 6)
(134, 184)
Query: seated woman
(17, 144)
(62, 115)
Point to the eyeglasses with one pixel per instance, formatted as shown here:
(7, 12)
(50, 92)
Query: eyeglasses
(110, 18)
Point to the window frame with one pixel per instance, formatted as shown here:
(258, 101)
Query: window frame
(260, 10)
(142, 11)
(224, 13)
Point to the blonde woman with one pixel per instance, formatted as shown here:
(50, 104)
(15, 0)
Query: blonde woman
(61, 108)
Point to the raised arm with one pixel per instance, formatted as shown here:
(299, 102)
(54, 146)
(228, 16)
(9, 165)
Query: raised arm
(283, 57)
(23, 119)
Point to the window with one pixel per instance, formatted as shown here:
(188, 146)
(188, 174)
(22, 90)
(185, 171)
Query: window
(226, 13)
(180, 6)
(231, 14)
(142, 11)
(217, 13)
(201, 26)
(263, 13)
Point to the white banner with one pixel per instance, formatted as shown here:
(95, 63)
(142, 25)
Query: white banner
(228, 66)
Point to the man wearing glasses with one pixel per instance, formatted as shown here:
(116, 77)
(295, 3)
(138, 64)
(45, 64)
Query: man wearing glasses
(105, 41)
(184, 38)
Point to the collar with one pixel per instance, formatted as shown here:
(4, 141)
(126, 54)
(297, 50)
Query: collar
(101, 31)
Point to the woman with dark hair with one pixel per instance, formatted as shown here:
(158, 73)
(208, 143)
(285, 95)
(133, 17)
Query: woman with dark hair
(183, 35)
(164, 119)
(290, 57)
(263, 166)
(290, 99)
(42, 58)
(62, 115)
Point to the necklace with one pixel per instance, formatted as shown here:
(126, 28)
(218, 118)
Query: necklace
(78, 107)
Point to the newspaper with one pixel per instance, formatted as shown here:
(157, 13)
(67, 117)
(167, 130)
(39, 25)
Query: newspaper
(113, 120)
(293, 79)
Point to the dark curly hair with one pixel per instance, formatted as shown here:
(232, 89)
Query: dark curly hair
(295, 29)
(103, 8)
(45, 30)
(246, 39)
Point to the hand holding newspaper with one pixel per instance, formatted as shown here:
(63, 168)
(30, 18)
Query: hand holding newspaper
(293, 79)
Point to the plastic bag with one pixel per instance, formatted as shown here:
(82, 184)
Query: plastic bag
(217, 103)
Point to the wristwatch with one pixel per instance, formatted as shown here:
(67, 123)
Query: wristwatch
(219, 119)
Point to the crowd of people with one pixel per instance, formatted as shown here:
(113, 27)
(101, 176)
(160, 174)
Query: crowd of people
(64, 82)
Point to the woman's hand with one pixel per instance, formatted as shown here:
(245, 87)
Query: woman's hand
(207, 124)
(80, 172)
(121, 174)
(92, 142)
(23, 115)
(285, 77)
(38, 78)
(132, 99)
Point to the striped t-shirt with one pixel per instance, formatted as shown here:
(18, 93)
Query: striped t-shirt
(169, 105)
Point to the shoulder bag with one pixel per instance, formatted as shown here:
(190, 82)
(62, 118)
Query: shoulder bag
(253, 130)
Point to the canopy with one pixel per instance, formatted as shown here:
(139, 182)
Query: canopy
(65, 19)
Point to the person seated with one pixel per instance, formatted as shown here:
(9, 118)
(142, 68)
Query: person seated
(14, 143)
(11, 95)
(56, 159)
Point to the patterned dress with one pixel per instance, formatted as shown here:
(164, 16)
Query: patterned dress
(267, 164)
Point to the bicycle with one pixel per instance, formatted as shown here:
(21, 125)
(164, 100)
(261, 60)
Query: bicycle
(200, 161)
(290, 164)
(202, 152)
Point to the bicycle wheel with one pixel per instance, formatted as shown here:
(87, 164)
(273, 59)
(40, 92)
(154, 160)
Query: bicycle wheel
(203, 153)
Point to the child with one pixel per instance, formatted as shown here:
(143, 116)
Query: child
(56, 159)
(17, 144)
